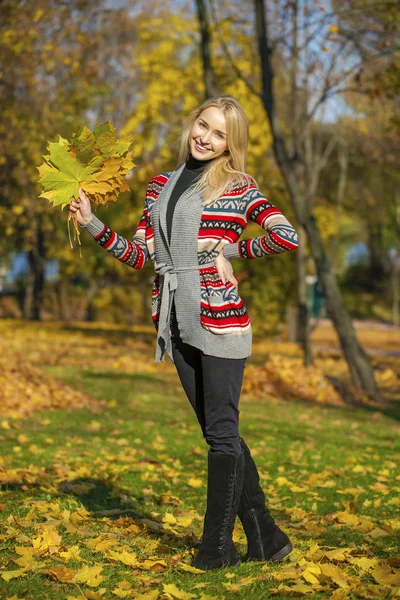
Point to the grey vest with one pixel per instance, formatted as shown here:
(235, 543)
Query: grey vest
(178, 266)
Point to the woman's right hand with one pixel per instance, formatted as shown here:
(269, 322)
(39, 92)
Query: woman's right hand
(81, 207)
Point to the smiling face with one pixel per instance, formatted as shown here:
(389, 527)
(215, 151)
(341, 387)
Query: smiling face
(208, 135)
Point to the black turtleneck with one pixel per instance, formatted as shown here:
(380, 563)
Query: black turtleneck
(191, 172)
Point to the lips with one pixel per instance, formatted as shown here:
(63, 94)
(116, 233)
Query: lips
(201, 148)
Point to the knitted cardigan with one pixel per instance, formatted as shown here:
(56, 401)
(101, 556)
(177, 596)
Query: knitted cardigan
(211, 315)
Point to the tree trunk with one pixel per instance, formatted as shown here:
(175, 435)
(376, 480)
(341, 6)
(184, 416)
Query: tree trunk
(302, 325)
(396, 289)
(343, 166)
(362, 374)
(360, 369)
(90, 310)
(208, 71)
(34, 292)
(62, 299)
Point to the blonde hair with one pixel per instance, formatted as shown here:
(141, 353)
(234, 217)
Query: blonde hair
(227, 171)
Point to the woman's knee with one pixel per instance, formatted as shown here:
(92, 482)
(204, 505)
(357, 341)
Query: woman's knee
(229, 445)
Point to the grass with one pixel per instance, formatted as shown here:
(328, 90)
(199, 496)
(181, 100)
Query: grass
(143, 452)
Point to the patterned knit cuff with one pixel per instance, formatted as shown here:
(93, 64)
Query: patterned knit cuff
(94, 226)
(231, 250)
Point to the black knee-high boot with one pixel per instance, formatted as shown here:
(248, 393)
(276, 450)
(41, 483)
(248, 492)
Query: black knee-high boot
(224, 488)
(266, 541)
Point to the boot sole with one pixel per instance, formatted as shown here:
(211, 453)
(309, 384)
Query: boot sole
(282, 553)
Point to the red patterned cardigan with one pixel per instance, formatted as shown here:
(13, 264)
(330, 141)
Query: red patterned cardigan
(222, 309)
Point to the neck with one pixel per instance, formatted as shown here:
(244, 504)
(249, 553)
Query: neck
(193, 164)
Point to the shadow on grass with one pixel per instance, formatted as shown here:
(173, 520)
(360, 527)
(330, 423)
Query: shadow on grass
(103, 499)
(147, 336)
(121, 376)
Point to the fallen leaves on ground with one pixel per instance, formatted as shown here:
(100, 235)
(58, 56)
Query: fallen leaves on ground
(25, 388)
(49, 530)
(287, 377)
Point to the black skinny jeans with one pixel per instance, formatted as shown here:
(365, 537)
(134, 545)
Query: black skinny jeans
(213, 386)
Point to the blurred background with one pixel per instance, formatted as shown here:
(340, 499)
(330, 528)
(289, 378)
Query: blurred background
(319, 82)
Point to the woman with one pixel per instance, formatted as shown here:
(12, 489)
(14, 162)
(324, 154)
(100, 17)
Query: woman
(191, 223)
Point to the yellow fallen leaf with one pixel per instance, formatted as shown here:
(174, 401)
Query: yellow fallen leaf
(339, 594)
(189, 568)
(101, 543)
(154, 565)
(195, 482)
(378, 533)
(72, 553)
(334, 573)
(169, 518)
(247, 580)
(309, 574)
(363, 562)
(26, 562)
(61, 573)
(89, 575)
(184, 520)
(286, 573)
(7, 575)
(151, 595)
(384, 576)
(122, 593)
(49, 540)
(128, 558)
(167, 498)
(358, 469)
(282, 481)
(347, 518)
(338, 554)
(95, 595)
(176, 593)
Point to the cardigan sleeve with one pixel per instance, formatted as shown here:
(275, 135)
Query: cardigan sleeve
(134, 253)
(279, 235)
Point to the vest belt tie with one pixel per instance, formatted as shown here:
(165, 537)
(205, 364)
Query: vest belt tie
(170, 284)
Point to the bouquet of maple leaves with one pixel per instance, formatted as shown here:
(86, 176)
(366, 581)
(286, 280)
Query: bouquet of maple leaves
(95, 161)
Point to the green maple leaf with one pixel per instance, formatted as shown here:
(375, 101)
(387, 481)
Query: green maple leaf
(71, 173)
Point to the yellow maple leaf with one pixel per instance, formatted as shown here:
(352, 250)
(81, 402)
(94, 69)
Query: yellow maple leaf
(128, 558)
(89, 575)
(154, 565)
(337, 554)
(334, 573)
(384, 576)
(281, 481)
(61, 573)
(195, 482)
(7, 575)
(169, 518)
(184, 520)
(347, 518)
(176, 593)
(151, 595)
(363, 562)
(72, 553)
(189, 568)
(122, 593)
(310, 574)
(49, 540)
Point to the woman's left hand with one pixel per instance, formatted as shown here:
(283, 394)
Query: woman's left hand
(225, 270)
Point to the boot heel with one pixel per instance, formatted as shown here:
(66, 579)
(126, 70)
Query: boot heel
(282, 553)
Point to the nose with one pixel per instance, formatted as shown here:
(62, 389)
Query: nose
(205, 137)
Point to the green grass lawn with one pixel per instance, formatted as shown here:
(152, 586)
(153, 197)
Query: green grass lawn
(330, 476)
